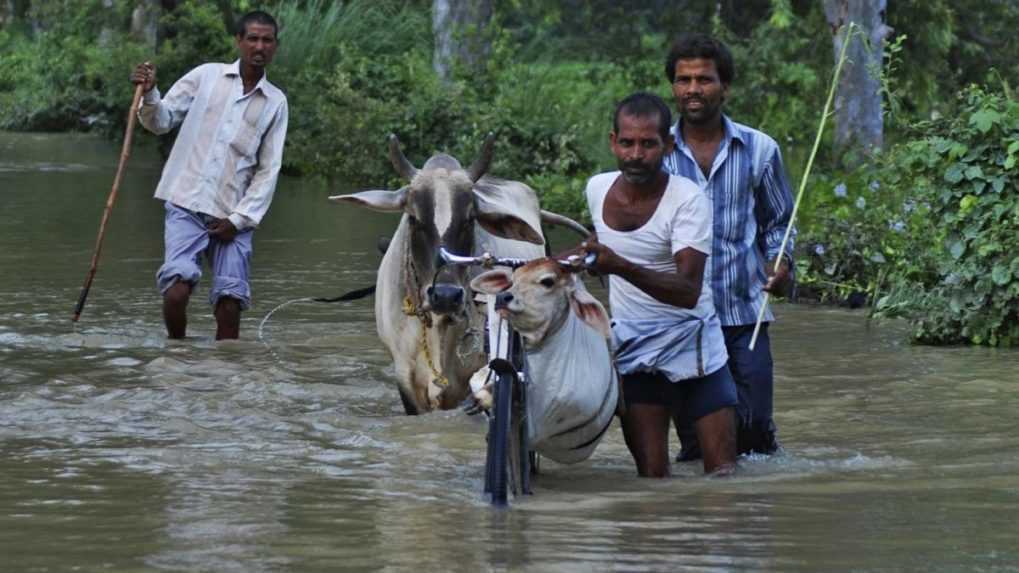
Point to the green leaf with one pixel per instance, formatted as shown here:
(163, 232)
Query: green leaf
(1010, 162)
(957, 249)
(955, 304)
(966, 203)
(998, 183)
(954, 173)
(985, 119)
(1013, 147)
(988, 249)
(1000, 275)
(976, 153)
(974, 172)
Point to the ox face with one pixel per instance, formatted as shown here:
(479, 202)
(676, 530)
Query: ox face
(440, 213)
(538, 297)
(442, 206)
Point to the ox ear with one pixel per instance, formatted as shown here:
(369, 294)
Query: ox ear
(508, 209)
(385, 201)
(509, 227)
(590, 310)
(493, 282)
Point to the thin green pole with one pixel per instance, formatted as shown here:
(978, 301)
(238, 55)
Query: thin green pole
(806, 174)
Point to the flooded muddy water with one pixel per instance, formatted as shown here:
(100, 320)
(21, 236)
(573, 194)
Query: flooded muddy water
(122, 451)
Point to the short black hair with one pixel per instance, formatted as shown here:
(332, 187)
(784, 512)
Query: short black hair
(694, 46)
(256, 17)
(644, 104)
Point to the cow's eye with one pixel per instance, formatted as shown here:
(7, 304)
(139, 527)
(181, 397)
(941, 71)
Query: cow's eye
(547, 282)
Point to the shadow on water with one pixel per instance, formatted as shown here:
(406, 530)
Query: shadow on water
(122, 450)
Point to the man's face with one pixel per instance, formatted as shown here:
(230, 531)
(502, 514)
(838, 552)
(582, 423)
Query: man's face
(698, 90)
(639, 148)
(257, 45)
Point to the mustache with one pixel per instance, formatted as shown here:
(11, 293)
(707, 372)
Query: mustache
(636, 166)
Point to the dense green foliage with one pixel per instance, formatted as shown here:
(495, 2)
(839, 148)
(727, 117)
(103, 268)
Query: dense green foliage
(957, 271)
(60, 79)
(925, 227)
(931, 232)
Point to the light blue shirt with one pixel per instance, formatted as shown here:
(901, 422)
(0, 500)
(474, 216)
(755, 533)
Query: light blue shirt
(752, 206)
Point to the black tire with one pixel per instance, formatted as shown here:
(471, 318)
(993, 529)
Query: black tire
(498, 437)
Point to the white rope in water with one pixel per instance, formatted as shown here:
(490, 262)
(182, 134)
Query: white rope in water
(261, 325)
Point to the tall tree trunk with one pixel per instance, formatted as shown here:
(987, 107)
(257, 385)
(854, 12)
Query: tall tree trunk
(13, 10)
(108, 31)
(858, 117)
(145, 22)
(460, 30)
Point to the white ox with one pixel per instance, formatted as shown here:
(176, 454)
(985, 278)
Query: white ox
(574, 390)
(423, 312)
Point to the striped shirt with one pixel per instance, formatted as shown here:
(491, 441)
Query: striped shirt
(752, 205)
(227, 156)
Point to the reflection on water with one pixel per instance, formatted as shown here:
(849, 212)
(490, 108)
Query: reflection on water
(121, 450)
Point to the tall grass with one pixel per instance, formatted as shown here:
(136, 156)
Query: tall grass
(313, 32)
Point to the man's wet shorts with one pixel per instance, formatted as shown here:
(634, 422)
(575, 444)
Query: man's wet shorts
(187, 241)
(693, 398)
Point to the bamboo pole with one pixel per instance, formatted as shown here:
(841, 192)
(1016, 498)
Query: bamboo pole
(806, 174)
(125, 152)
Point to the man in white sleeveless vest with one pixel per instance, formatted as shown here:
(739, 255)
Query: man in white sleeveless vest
(653, 240)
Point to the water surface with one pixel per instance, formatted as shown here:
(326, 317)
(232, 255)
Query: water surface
(122, 451)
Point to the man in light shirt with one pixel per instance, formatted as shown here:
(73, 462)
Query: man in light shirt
(221, 174)
(653, 240)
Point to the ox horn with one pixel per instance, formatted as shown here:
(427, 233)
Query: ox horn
(550, 218)
(400, 162)
(480, 165)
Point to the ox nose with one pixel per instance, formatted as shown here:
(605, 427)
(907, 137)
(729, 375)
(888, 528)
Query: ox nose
(502, 300)
(445, 298)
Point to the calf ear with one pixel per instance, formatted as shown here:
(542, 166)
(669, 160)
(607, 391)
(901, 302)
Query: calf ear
(493, 282)
(590, 311)
(385, 201)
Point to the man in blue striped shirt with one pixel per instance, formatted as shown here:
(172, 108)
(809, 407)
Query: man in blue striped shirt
(741, 171)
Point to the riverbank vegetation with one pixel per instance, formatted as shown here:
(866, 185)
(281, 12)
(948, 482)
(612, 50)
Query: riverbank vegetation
(921, 219)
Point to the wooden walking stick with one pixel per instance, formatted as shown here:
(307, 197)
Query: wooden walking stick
(806, 174)
(125, 152)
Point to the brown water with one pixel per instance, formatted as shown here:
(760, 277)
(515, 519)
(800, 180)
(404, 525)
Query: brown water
(121, 451)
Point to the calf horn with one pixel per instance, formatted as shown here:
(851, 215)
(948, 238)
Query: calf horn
(400, 162)
(480, 165)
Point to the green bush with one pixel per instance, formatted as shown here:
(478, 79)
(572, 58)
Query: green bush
(852, 235)
(958, 274)
(60, 79)
(195, 34)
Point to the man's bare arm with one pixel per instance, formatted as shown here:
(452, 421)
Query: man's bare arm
(681, 289)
